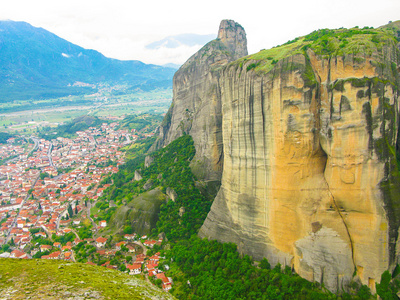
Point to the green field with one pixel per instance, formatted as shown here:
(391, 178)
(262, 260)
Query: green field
(47, 113)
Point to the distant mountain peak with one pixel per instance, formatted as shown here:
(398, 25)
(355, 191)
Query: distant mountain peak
(35, 63)
(171, 65)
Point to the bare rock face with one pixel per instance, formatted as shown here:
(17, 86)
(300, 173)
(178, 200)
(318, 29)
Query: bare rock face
(148, 185)
(171, 194)
(310, 178)
(307, 148)
(196, 106)
(181, 211)
(138, 176)
(148, 161)
(233, 36)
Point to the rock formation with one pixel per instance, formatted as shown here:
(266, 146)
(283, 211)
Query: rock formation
(138, 176)
(305, 136)
(196, 107)
(141, 213)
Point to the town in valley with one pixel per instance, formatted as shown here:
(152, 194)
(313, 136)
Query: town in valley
(48, 194)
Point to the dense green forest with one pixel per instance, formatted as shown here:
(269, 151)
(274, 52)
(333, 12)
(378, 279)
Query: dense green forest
(170, 169)
(212, 270)
(68, 130)
(141, 123)
(4, 136)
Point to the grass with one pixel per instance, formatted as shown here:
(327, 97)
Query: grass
(94, 211)
(54, 279)
(268, 58)
(25, 122)
(324, 42)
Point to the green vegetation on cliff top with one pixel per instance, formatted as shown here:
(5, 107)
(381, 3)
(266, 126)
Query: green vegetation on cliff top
(324, 42)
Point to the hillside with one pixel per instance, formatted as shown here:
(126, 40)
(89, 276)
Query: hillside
(273, 175)
(214, 270)
(302, 138)
(141, 213)
(35, 63)
(69, 129)
(49, 279)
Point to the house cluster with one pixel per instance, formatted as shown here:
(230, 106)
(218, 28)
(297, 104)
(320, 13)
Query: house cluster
(30, 156)
(42, 216)
(22, 236)
(44, 194)
(22, 239)
(36, 197)
(148, 264)
(46, 204)
(142, 263)
(12, 150)
(17, 186)
(18, 177)
(96, 146)
(61, 252)
(103, 251)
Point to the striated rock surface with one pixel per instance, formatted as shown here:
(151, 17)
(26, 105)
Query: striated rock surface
(308, 134)
(196, 106)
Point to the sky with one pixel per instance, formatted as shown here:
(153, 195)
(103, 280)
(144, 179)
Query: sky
(122, 29)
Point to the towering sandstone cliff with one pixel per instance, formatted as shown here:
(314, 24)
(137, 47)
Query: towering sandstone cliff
(196, 107)
(306, 137)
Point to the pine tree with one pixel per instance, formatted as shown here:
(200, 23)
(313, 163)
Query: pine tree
(70, 211)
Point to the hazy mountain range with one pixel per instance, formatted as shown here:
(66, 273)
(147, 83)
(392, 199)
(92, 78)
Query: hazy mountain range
(186, 39)
(35, 63)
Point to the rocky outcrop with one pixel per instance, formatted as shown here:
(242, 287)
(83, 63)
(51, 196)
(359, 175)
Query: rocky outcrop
(171, 194)
(196, 107)
(309, 177)
(308, 134)
(147, 161)
(141, 213)
(138, 176)
(148, 185)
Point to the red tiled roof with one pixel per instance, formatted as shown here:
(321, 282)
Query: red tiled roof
(134, 266)
(162, 277)
(101, 240)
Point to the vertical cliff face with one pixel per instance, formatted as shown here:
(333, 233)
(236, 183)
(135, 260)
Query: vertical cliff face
(274, 200)
(196, 106)
(308, 133)
(310, 177)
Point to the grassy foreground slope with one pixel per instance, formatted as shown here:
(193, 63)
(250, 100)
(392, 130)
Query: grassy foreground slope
(54, 279)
